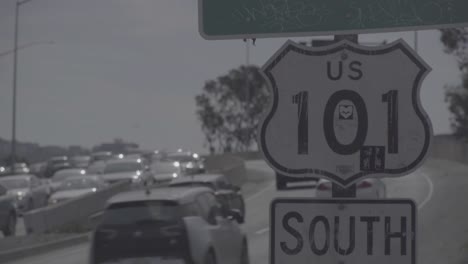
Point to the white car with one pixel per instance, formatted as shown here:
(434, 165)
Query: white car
(365, 189)
(169, 225)
(165, 171)
(77, 186)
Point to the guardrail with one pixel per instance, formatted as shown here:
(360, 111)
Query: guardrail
(70, 215)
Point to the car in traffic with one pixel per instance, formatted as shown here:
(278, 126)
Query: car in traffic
(189, 162)
(30, 192)
(169, 225)
(18, 168)
(96, 167)
(131, 170)
(55, 164)
(165, 171)
(61, 175)
(101, 156)
(77, 186)
(8, 212)
(227, 193)
(80, 161)
(38, 169)
(365, 189)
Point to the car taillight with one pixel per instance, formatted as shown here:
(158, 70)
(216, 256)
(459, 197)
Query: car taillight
(324, 186)
(364, 184)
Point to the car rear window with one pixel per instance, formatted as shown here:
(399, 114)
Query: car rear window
(138, 212)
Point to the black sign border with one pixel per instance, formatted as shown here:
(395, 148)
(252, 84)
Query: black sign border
(341, 201)
(290, 46)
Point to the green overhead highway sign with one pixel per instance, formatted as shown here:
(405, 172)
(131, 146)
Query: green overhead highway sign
(230, 19)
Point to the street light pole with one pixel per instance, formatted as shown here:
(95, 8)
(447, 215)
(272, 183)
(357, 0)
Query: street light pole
(15, 83)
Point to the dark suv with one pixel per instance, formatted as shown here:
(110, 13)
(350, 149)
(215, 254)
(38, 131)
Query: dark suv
(169, 225)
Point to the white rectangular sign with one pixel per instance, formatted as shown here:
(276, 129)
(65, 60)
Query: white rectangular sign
(305, 231)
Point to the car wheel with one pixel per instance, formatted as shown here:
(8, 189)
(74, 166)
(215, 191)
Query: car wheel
(10, 228)
(245, 254)
(210, 258)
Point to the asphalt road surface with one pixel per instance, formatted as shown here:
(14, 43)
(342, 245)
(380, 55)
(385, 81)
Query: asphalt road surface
(439, 189)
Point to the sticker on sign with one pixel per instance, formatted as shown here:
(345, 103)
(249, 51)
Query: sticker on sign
(305, 231)
(345, 111)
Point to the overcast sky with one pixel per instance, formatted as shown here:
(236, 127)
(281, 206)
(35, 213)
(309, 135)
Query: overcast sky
(131, 69)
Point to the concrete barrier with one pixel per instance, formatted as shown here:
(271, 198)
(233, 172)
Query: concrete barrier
(232, 166)
(72, 215)
(449, 148)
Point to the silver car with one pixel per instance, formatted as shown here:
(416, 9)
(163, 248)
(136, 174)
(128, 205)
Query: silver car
(61, 175)
(165, 171)
(30, 192)
(77, 186)
(130, 170)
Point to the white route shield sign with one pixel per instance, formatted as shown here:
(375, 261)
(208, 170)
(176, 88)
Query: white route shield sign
(345, 111)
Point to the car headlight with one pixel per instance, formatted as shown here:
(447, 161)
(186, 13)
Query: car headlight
(53, 201)
(136, 178)
(189, 165)
(174, 175)
(20, 195)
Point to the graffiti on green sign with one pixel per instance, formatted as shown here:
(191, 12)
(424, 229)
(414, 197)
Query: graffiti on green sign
(276, 17)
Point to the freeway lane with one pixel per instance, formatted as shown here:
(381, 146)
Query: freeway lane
(438, 189)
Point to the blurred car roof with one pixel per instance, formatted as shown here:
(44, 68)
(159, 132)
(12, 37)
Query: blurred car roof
(179, 194)
(199, 178)
(17, 176)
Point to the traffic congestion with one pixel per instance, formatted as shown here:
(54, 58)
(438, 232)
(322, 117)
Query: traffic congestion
(233, 132)
(166, 190)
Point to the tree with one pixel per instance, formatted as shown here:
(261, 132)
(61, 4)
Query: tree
(456, 43)
(230, 107)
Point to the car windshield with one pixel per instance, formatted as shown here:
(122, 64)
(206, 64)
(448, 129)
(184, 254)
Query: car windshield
(14, 183)
(78, 184)
(63, 174)
(138, 212)
(122, 167)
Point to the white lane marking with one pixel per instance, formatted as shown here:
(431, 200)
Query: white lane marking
(261, 191)
(263, 230)
(431, 191)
